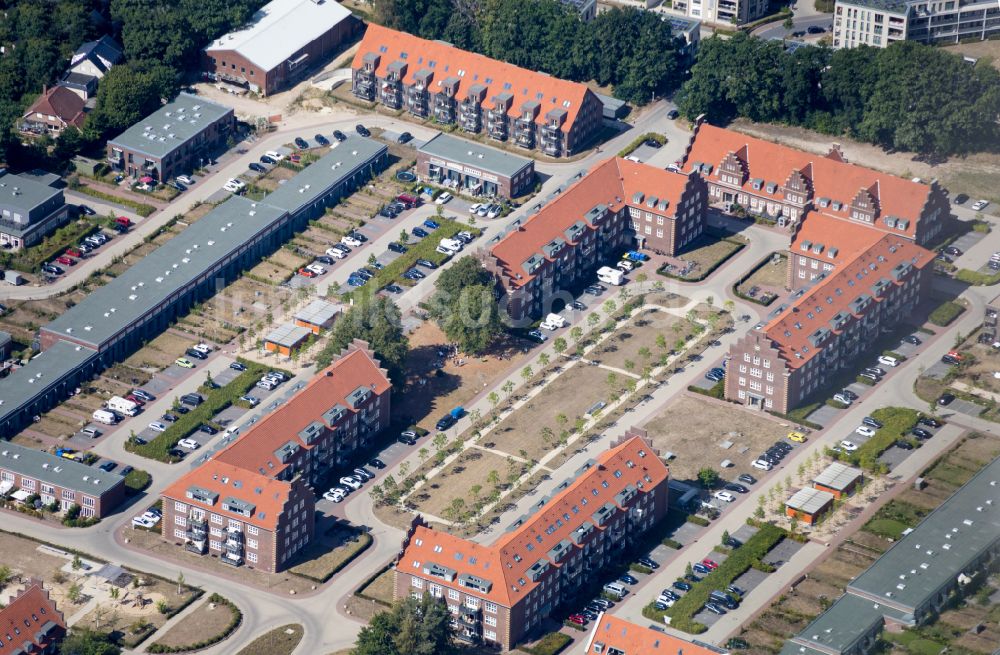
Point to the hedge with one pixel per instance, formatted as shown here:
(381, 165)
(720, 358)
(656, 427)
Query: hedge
(671, 543)
(682, 612)
(550, 644)
(697, 520)
(424, 249)
(368, 581)
(210, 641)
(137, 480)
(945, 313)
(216, 401)
(140, 208)
(717, 390)
(896, 422)
(365, 540)
(639, 140)
(976, 278)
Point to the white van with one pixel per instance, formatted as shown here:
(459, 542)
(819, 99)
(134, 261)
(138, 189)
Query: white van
(93, 433)
(616, 589)
(888, 360)
(453, 245)
(610, 275)
(105, 417)
(553, 321)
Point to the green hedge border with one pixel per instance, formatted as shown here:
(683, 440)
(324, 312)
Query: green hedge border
(550, 644)
(746, 276)
(368, 581)
(945, 314)
(140, 208)
(711, 269)
(641, 139)
(366, 540)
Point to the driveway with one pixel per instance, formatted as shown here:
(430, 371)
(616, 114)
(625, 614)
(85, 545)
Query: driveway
(824, 415)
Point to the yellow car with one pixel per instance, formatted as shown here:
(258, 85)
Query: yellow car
(798, 437)
(184, 363)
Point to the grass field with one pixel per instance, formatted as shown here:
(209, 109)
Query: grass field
(280, 641)
(204, 622)
(635, 343)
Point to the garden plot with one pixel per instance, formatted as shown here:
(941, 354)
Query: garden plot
(535, 428)
(474, 476)
(274, 177)
(160, 352)
(634, 346)
(770, 277)
(693, 429)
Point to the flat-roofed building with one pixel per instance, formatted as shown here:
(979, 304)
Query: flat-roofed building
(286, 338)
(59, 480)
(433, 79)
(808, 504)
(318, 315)
(838, 479)
(611, 635)
(253, 502)
(724, 12)
(499, 593)
(282, 42)
(31, 208)
(880, 23)
(474, 169)
(175, 139)
(619, 204)
(910, 584)
(31, 624)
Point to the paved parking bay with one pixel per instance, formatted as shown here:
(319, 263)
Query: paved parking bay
(893, 457)
(782, 552)
(965, 407)
(968, 240)
(824, 415)
(937, 370)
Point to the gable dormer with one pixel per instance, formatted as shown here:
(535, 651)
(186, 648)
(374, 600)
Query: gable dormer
(836, 154)
(865, 206)
(798, 185)
(733, 170)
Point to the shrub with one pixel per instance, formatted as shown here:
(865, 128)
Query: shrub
(749, 554)
(670, 543)
(976, 278)
(639, 568)
(698, 520)
(896, 422)
(211, 639)
(137, 480)
(639, 140)
(717, 390)
(550, 644)
(140, 208)
(945, 313)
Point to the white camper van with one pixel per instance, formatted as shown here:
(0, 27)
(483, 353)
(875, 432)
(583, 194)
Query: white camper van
(105, 417)
(610, 275)
(123, 406)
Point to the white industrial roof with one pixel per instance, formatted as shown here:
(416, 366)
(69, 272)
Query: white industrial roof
(809, 500)
(280, 28)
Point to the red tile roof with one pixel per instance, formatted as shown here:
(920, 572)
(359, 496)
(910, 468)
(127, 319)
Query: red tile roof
(832, 177)
(255, 449)
(631, 639)
(497, 76)
(844, 239)
(506, 562)
(60, 102)
(25, 618)
(614, 182)
(792, 329)
(267, 495)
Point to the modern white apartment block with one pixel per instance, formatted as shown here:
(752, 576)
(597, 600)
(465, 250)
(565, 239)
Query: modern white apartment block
(879, 23)
(720, 12)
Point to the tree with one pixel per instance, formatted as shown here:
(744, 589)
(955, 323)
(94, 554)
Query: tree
(77, 563)
(494, 399)
(559, 345)
(74, 593)
(725, 537)
(661, 341)
(708, 477)
(576, 332)
(375, 320)
(688, 570)
(526, 373)
(404, 237)
(115, 592)
(5, 576)
(423, 454)
(412, 627)
(128, 93)
(87, 642)
(493, 477)
(544, 359)
(507, 387)
(593, 319)
(464, 306)
(440, 441)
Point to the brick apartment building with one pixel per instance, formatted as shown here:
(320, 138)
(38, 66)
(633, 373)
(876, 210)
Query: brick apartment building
(785, 185)
(31, 624)
(618, 204)
(611, 635)
(499, 593)
(435, 80)
(880, 23)
(803, 345)
(265, 480)
(25, 472)
(282, 42)
(174, 140)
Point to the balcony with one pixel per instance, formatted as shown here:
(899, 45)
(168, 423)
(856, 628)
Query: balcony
(233, 559)
(392, 94)
(444, 109)
(117, 157)
(496, 125)
(524, 133)
(471, 119)
(418, 102)
(551, 141)
(365, 86)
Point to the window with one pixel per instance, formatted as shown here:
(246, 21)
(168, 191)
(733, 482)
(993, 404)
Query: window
(252, 543)
(179, 534)
(472, 603)
(490, 608)
(180, 520)
(490, 635)
(89, 502)
(252, 558)
(453, 594)
(68, 495)
(491, 621)
(253, 530)
(417, 583)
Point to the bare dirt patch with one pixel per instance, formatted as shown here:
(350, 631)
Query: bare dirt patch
(160, 352)
(205, 621)
(435, 384)
(571, 395)
(636, 342)
(692, 428)
(769, 277)
(472, 468)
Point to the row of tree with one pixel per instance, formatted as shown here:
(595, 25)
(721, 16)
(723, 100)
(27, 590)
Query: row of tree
(631, 50)
(906, 97)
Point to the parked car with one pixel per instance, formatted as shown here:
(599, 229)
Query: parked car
(761, 464)
(865, 431)
(849, 446)
(397, 247)
(698, 567)
(946, 399)
(710, 563)
(431, 223)
(980, 205)
(443, 198)
(408, 437)
(537, 336)
(254, 166)
(350, 481)
(842, 398)
(680, 584)
(628, 578)
(405, 137)
(649, 562)
(339, 136)
(577, 619)
(207, 429)
(912, 339)
(362, 130)
(747, 478)
(724, 496)
(921, 433)
(903, 445)
(445, 422)
(426, 263)
(929, 422)
(376, 463)
(190, 444)
(738, 488)
(335, 495)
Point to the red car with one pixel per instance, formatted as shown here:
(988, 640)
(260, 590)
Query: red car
(578, 619)
(123, 221)
(138, 401)
(305, 272)
(709, 563)
(67, 261)
(73, 252)
(295, 158)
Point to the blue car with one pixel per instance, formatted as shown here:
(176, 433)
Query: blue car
(419, 232)
(356, 281)
(701, 568)
(432, 224)
(636, 256)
